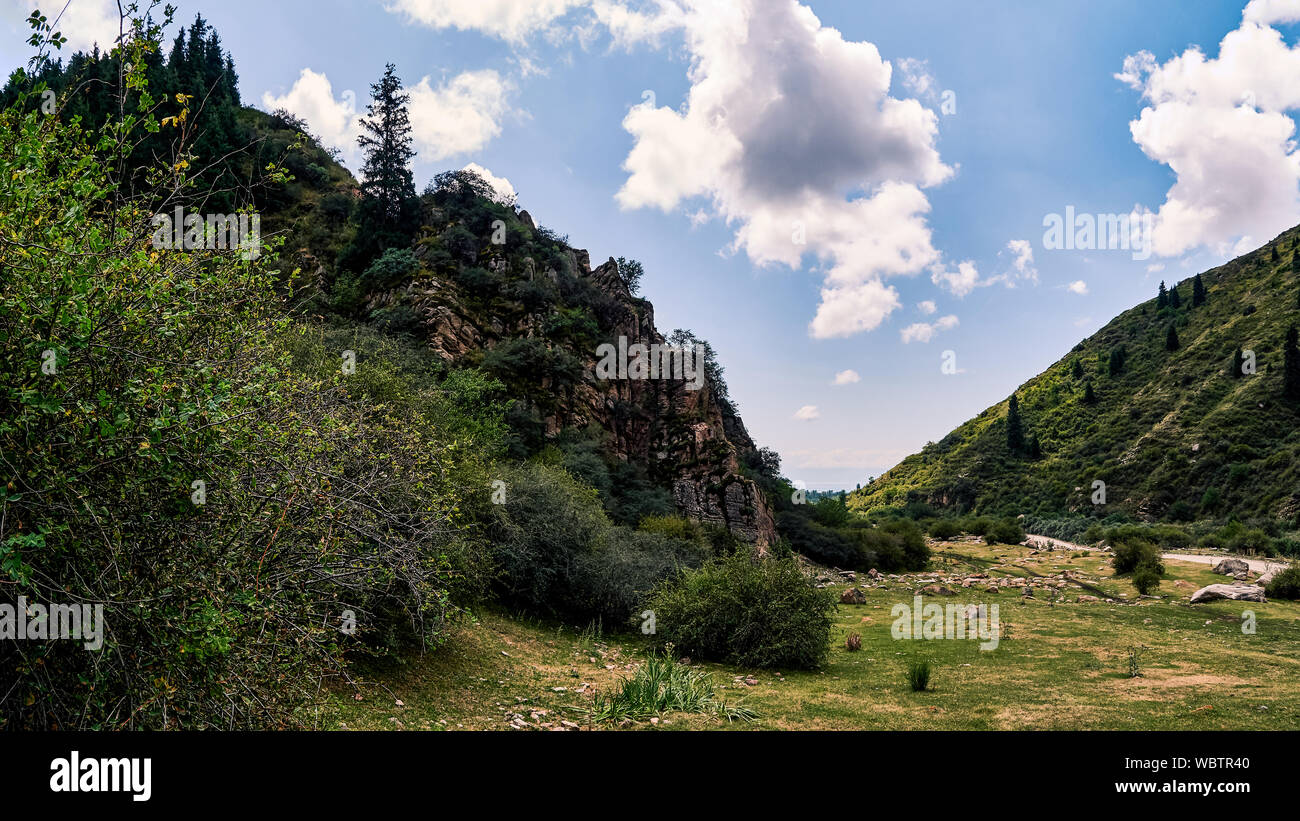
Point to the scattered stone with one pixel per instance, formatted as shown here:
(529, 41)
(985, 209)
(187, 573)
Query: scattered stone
(937, 590)
(853, 596)
(1090, 599)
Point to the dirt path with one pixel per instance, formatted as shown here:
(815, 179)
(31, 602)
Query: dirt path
(1256, 565)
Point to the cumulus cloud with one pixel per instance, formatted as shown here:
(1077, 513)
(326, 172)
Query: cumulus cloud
(1023, 264)
(84, 22)
(847, 377)
(960, 282)
(458, 116)
(333, 120)
(926, 307)
(1078, 287)
(789, 133)
(504, 191)
(807, 413)
(925, 331)
(1221, 125)
(510, 20)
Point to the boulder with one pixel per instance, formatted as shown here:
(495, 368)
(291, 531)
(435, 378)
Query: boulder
(937, 590)
(853, 596)
(1231, 567)
(1236, 592)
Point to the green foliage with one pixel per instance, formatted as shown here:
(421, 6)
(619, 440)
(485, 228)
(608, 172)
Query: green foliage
(559, 554)
(943, 529)
(1004, 531)
(662, 685)
(918, 675)
(1285, 585)
(394, 267)
(1133, 552)
(746, 611)
(1146, 578)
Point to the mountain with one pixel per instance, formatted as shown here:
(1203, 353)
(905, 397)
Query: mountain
(1174, 435)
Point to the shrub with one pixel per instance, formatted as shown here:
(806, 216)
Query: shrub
(943, 529)
(746, 611)
(396, 265)
(1004, 531)
(560, 555)
(1134, 552)
(1146, 578)
(823, 544)
(1285, 585)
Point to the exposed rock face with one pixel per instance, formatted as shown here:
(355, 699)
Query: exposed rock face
(853, 596)
(687, 439)
(1236, 592)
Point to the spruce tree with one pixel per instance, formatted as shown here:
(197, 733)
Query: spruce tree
(1162, 297)
(1015, 429)
(1077, 370)
(1198, 292)
(1291, 365)
(1237, 361)
(1089, 398)
(1174, 300)
(387, 182)
(1273, 256)
(1171, 339)
(1034, 448)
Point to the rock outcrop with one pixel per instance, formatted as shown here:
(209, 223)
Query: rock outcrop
(689, 440)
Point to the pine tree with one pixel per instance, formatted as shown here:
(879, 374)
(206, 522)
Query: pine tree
(1273, 256)
(1116, 364)
(1198, 292)
(1171, 339)
(1015, 429)
(1291, 365)
(1077, 370)
(1295, 261)
(387, 181)
(1237, 361)
(1174, 300)
(1035, 449)
(1162, 297)
(1089, 398)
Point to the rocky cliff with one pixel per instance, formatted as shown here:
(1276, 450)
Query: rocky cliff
(689, 441)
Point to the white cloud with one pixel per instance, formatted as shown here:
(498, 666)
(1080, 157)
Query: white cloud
(917, 78)
(847, 377)
(1024, 261)
(925, 331)
(83, 22)
(1155, 267)
(510, 20)
(1267, 12)
(334, 121)
(960, 282)
(459, 116)
(807, 413)
(505, 192)
(1078, 287)
(789, 133)
(1221, 126)
(927, 307)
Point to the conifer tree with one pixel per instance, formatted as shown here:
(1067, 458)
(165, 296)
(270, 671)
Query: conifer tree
(1174, 300)
(1171, 339)
(1162, 297)
(1015, 429)
(1089, 398)
(1237, 360)
(1198, 292)
(386, 174)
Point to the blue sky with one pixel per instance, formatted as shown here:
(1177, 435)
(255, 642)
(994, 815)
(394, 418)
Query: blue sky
(764, 110)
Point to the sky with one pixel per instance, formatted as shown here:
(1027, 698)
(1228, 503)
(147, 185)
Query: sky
(861, 205)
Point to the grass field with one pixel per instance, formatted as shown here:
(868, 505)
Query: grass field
(1058, 665)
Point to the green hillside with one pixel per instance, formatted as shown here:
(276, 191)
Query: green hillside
(1174, 435)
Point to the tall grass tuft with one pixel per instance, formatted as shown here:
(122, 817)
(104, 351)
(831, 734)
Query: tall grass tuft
(662, 685)
(918, 675)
